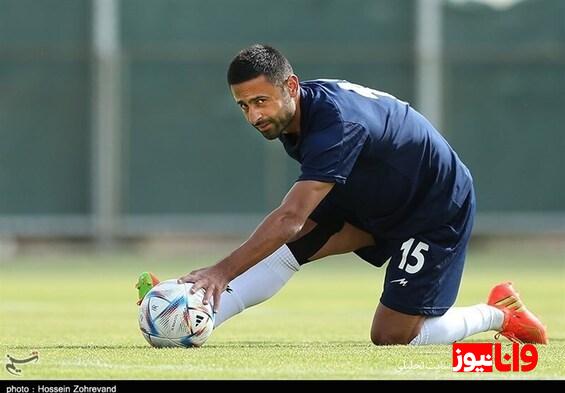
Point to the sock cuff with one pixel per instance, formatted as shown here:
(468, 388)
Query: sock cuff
(283, 258)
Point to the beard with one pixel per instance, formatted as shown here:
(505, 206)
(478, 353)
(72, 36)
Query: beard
(281, 121)
(277, 125)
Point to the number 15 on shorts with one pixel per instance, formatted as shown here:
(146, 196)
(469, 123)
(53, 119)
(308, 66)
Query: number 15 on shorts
(412, 262)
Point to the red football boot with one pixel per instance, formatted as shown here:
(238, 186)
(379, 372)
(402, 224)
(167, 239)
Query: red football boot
(519, 325)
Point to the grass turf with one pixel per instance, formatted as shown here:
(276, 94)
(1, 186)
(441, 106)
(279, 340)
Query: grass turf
(79, 313)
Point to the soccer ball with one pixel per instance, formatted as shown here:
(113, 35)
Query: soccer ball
(171, 316)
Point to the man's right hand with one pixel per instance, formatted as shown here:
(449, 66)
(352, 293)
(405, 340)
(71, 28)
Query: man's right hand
(212, 279)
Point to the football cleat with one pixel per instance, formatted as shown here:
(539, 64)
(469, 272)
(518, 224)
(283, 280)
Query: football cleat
(519, 325)
(145, 282)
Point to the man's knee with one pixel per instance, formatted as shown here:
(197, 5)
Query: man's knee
(391, 338)
(391, 327)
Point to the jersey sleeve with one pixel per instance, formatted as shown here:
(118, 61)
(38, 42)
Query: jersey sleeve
(330, 154)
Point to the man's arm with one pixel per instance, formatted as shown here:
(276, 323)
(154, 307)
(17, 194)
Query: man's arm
(281, 225)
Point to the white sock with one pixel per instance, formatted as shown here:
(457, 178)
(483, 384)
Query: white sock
(458, 323)
(257, 284)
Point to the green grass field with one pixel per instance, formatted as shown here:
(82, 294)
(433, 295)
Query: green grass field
(79, 313)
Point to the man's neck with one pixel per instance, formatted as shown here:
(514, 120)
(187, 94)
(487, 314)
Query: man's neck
(294, 126)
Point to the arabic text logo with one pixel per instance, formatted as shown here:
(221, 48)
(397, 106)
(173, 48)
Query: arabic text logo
(12, 361)
(479, 358)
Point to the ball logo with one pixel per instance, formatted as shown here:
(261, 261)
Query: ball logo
(479, 358)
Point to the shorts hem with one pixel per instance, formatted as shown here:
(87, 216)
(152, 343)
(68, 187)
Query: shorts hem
(426, 311)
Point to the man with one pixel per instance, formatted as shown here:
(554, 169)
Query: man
(376, 179)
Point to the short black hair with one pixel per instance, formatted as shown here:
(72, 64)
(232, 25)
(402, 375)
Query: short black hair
(258, 60)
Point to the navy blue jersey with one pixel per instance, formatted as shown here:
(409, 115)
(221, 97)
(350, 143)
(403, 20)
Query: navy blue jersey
(394, 174)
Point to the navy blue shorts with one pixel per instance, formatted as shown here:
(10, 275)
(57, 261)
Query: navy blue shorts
(424, 272)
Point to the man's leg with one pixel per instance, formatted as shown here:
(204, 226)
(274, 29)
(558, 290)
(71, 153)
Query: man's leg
(421, 284)
(257, 284)
(392, 327)
(266, 278)
(416, 303)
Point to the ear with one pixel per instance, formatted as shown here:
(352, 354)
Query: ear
(293, 84)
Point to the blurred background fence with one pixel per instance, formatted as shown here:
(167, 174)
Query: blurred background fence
(116, 119)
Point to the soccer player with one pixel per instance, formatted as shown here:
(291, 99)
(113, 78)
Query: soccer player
(376, 179)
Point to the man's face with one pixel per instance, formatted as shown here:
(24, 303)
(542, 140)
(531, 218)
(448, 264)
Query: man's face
(266, 107)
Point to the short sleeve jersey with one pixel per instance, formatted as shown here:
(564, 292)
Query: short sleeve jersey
(394, 174)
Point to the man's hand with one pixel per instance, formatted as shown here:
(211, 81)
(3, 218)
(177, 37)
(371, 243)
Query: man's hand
(212, 279)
